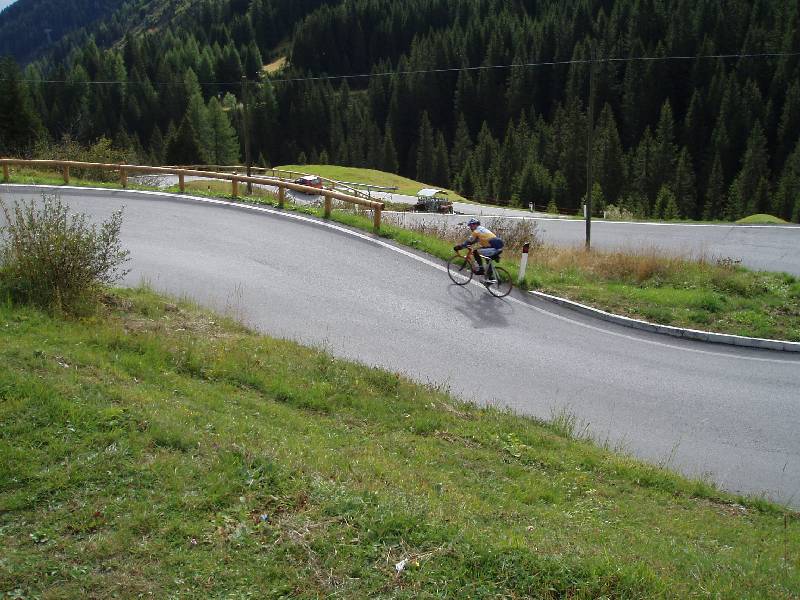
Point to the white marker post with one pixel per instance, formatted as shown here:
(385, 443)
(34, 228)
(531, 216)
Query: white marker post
(523, 262)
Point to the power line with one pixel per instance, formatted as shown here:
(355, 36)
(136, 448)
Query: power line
(539, 64)
(553, 63)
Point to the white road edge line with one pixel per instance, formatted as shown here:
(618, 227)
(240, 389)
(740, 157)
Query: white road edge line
(413, 256)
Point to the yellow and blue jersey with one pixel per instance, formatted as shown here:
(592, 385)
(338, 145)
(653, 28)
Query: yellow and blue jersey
(485, 238)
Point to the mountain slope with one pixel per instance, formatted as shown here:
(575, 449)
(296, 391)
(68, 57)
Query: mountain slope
(29, 26)
(696, 114)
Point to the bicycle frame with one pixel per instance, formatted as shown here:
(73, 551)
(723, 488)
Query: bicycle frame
(470, 256)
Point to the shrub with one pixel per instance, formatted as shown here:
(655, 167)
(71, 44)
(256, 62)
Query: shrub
(56, 260)
(101, 151)
(618, 213)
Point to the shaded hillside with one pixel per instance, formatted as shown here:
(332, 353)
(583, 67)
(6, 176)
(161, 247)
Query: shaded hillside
(29, 26)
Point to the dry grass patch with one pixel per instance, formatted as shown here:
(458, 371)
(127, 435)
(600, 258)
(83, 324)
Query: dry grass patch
(623, 266)
(275, 65)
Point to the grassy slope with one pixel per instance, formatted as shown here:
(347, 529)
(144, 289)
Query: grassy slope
(696, 295)
(407, 187)
(761, 219)
(160, 450)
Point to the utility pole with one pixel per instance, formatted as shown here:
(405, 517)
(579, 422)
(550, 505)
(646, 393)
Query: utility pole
(590, 149)
(246, 131)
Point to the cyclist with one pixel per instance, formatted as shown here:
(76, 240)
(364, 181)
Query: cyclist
(490, 244)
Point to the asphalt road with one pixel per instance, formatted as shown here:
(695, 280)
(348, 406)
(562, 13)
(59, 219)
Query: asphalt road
(728, 414)
(760, 247)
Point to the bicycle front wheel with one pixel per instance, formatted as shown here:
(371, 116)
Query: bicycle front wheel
(502, 288)
(459, 269)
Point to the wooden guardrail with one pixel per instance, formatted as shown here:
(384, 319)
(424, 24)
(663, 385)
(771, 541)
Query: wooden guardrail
(349, 188)
(64, 167)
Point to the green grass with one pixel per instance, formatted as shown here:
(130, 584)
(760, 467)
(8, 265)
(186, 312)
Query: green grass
(38, 177)
(761, 219)
(407, 187)
(695, 295)
(160, 451)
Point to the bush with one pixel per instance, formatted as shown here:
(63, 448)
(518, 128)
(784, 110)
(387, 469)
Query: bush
(101, 151)
(58, 261)
(618, 213)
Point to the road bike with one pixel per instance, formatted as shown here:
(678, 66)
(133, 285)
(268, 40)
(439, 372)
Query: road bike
(462, 267)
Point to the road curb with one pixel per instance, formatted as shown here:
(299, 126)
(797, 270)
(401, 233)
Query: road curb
(693, 334)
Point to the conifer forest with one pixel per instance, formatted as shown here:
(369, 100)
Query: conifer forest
(694, 104)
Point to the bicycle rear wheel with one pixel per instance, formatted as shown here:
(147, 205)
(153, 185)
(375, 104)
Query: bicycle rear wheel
(502, 288)
(459, 269)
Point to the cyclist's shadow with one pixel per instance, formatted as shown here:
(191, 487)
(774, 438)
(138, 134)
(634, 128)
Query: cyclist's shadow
(480, 307)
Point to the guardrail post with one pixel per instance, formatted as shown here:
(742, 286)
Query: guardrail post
(523, 262)
(181, 182)
(66, 174)
(123, 177)
(377, 219)
(281, 196)
(328, 206)
(6, 176)
(234, 187)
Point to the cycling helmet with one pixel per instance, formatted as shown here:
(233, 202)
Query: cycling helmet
(472, 222)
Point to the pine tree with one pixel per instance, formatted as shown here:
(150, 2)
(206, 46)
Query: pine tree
(666, 200)
(462, 146)
(390, 163)
(787, 199)
(535, 185)
(609, 159)
(633, 105)
(662, 198)
(70, 108)
(197, 113)
(206, 74)
(684, 186)
(695, 130)
(558, 189)
(252, 61)
(598, 198)
(425, 151)
(224, 149)
(789, 123)
(747, 198)
(665, 150)
(374, 157)
(183, 147)
(570, 139)
(265, 136)
(20, 126)
(715, 192)
(229, 67)
(468, 183)
(441, 162)
(157, 147)
(480, 163)
(734, 203)
(642, 169)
